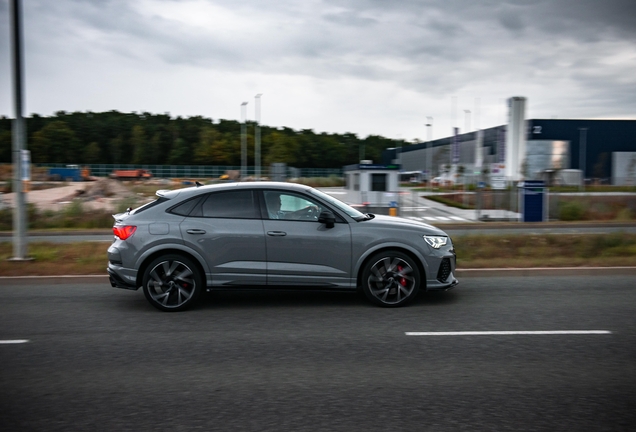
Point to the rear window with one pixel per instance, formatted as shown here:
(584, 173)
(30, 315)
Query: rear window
(185, 207)
(151, 204)
(230, 204)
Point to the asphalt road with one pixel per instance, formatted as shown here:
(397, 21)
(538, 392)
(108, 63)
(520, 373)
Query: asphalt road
(102, 359)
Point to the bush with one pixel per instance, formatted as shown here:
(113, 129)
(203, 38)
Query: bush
(624, 214)
(571, 211)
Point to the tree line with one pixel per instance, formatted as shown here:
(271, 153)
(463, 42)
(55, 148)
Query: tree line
(158, 139)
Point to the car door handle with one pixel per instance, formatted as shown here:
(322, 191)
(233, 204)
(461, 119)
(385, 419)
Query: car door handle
(195, 231)
(276, 233)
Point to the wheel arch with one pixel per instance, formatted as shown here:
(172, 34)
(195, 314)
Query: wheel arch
(392, 248)
(169, 251)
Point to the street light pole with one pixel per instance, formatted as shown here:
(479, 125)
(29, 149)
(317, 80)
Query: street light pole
(467, 120)
(257, 138)
(429, 159)
(19, 213)
(243, 142)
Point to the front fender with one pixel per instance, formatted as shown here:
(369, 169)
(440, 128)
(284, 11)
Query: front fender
(390, 245)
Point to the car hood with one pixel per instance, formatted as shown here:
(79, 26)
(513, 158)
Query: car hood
(388, 221)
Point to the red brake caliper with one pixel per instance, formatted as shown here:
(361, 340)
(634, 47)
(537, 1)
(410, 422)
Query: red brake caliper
(402, 280)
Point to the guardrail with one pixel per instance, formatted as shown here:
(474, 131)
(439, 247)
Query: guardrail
(198, 171)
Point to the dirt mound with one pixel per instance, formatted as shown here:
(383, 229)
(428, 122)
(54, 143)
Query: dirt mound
(107, 188)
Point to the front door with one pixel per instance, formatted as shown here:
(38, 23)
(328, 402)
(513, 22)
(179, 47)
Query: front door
(300, 250)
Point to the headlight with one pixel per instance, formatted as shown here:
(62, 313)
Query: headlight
(436, 242)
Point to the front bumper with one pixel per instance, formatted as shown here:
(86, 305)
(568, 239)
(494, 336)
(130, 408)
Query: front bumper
(443, 286)
(444, 278)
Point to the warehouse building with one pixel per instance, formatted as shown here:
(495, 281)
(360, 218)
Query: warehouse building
(528, 149)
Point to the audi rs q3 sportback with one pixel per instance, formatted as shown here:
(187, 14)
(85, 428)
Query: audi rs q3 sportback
(272, 235)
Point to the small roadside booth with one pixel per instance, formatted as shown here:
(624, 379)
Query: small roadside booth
(532, 199)
(375, 187)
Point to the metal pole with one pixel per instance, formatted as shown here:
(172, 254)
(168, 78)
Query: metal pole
(243, 142)
(429, 159)
(467, 120)
(19, 214)
(257, 138)
(582, 141)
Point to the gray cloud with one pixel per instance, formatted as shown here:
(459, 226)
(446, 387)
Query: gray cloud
(569, 52)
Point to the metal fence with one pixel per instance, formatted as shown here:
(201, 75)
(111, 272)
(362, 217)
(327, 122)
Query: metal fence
(198, 171)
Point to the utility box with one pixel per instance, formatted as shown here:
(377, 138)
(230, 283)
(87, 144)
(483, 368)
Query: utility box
(532, 200)
(374, 186)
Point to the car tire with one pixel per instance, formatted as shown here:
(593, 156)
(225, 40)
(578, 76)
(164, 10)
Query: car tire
(390, 279)
(172, 283)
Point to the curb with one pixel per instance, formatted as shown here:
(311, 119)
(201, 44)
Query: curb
(545, 271)
(460, 273)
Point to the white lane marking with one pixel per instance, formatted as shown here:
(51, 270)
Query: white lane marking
(14, 341)
(457, 218)
(442, 218)
(488, 333)
(429, 218)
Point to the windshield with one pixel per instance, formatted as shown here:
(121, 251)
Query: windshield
(339, 204)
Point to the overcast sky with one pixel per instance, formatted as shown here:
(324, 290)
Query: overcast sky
(368, 67)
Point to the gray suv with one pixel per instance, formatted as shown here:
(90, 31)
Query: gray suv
(272, 235)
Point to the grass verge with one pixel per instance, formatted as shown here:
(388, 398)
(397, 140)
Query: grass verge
(56, 259)
(549, 250)
(473, 251)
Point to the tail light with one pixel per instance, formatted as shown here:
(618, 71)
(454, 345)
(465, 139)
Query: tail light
(124, 232)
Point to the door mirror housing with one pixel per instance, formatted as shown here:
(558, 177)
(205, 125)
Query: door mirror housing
(328, 218)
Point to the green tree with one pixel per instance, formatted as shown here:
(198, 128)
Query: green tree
(55, 143)
(155, 144)
(281, 149)
(204, 151)
(116, 146)
(92, 153)
(179, 153)
(141, 146)
(6, 144)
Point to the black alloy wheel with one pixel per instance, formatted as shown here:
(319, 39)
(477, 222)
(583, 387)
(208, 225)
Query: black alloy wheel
(172, 283)
(391, 279)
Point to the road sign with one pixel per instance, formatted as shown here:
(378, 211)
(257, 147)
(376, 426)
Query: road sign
(498, 182)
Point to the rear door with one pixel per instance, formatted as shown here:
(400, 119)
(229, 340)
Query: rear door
(225, 227)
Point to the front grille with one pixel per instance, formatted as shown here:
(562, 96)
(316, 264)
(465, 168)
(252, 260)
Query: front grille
(444, 270)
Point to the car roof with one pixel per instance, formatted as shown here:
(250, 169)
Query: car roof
(195, 190)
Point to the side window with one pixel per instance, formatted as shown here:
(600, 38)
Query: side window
(185, 208)
(232, 204)
(292, 203)
(285, 205)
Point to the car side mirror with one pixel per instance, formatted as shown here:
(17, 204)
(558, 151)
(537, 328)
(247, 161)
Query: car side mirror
(328, 218)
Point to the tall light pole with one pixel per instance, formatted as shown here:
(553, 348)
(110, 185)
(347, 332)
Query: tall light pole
(582, 144)
(19, 213)
(398, 151)
(467, 120)
(243, 142)
(257, 137)
(429, 159)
